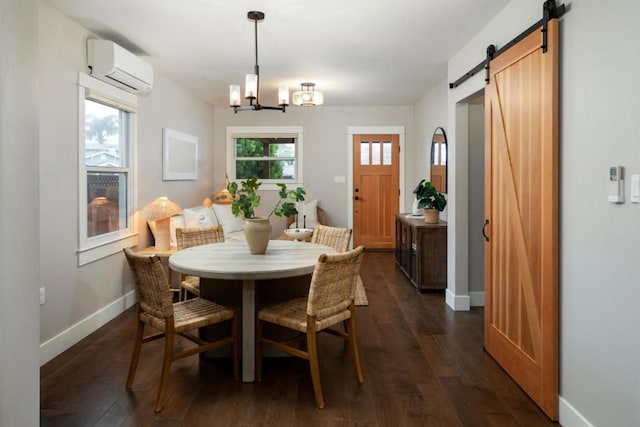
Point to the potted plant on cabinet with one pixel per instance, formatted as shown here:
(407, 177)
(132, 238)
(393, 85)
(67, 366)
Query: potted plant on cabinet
(429, 199)
(245, 200)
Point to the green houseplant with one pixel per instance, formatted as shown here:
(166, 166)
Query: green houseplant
(429, 199)
(245, 200)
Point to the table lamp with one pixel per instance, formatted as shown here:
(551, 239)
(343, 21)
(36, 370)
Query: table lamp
(160, 211)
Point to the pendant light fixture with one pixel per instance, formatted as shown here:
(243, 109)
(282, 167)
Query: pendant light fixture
(307, 96)
(252, 82)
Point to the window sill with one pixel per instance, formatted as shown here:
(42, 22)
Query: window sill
(94, 253)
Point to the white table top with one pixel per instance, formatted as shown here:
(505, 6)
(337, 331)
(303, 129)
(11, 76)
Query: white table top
(232, 260)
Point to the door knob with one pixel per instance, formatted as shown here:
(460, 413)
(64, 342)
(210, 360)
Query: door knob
(356, 198)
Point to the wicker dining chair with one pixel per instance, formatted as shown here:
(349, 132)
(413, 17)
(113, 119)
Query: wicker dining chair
(156, 309)
(188, 237)
(330, 302)
(334, 237)
(339, 239)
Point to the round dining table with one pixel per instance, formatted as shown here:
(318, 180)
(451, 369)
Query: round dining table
(232, 261)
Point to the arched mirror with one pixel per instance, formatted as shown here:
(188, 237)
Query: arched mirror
(439, 160)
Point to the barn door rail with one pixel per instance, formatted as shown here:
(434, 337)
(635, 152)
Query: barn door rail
(549, 11)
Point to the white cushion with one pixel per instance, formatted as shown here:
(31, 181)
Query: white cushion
(229, 222)
(235, 236)
(307, 214)
(198, 217)
(177, 221)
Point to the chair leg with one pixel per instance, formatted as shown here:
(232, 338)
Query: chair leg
(166, 366)
(354, 346)
(258, 350)
(135, 356)
(234, 334)
(312, 349)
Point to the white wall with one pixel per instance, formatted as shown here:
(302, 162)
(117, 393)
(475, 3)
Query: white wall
(430, 112)
(476, 204)
(80, 299)
(19, 268)
(324, 145)
(599, 241)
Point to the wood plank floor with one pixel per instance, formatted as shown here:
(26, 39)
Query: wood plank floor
(424, 365)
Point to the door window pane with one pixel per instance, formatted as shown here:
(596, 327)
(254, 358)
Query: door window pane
(364, 153)
(375, 153)
(386, 153)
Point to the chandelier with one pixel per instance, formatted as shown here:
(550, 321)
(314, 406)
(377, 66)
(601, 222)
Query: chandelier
(252, 82)
(307, 96)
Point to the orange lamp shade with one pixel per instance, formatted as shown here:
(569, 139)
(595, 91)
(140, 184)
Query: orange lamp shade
(222, 197)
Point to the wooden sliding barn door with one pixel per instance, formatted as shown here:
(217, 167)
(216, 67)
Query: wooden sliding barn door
(521, 199)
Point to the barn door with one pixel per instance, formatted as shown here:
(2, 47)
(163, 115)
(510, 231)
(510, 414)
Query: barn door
(521, 199)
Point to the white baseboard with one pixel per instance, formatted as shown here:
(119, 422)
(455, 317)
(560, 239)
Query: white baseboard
(457, 302)
(570, 417)
(477, 299)
(65, 339)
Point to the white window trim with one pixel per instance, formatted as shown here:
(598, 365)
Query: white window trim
(269, 131)
(98, 247)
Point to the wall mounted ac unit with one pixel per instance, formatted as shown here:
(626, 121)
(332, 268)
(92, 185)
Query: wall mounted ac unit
(115, 65)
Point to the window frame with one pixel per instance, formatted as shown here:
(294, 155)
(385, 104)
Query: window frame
(234, 132)
(91, 249)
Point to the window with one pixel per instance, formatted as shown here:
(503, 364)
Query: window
(271, 154)
(107, 136)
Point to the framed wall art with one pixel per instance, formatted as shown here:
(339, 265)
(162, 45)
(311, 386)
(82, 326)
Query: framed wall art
(179, 156)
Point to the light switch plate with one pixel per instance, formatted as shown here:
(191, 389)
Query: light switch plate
(635, 189)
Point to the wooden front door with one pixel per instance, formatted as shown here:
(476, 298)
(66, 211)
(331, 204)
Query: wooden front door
(521, 207)
(376, 190)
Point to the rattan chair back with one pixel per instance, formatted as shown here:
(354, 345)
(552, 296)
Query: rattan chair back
(151, 285)
(334, 237)
(188, 237)
(333, 284)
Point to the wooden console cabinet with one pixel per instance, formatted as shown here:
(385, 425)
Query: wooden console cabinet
(421, 252)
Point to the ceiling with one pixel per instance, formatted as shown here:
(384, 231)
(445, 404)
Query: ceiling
(358, 52)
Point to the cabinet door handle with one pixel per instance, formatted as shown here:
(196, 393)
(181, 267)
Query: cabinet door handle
(484, 228)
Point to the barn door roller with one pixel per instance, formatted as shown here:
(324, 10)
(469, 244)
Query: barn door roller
(549, 11)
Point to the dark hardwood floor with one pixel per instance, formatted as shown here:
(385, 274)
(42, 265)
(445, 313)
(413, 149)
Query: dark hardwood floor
(424, 365)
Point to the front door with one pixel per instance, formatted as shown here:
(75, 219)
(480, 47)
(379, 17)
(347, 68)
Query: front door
(376, 190)
(521, 207)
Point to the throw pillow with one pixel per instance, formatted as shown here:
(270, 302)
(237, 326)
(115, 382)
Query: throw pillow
(307, 214)
(229, 222)
(198, 217)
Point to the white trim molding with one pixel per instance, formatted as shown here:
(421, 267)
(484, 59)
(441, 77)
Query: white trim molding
(570, 417)
(373, 130)
(65, 339)
(458, 302)
(476, 299)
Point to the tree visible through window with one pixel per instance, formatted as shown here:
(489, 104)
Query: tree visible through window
(265, 158)
(107, 134)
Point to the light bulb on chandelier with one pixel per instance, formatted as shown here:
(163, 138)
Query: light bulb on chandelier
(252, 82)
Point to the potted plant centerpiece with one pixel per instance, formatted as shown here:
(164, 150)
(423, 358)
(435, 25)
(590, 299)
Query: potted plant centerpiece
(245, 200)
(429, 199)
